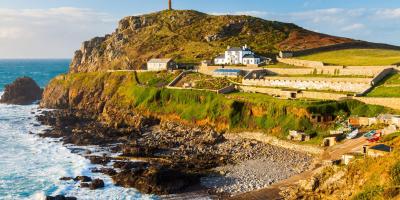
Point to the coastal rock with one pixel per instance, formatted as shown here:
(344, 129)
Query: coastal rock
(23, 91)
(65, 178)
(60, 197)
(107, 171)
(100, 160)
(96, 184)
(155, 180)
(83, 179)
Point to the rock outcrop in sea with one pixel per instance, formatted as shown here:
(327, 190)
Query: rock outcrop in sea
(23, 91)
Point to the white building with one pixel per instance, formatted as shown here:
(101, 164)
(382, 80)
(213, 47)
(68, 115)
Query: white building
(238, 55)
(157, 64)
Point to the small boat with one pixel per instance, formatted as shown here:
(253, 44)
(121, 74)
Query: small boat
(353, 134)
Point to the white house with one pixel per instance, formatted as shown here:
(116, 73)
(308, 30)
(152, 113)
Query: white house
(159, 64)
(238, 55)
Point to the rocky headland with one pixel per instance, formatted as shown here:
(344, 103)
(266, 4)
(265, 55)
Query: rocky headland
(23, 91)
(165, 157)
(163, 141)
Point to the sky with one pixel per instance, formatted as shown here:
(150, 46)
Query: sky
(56, 28)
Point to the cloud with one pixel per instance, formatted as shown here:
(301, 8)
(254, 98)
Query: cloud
(353, 27)
(388, 13)
(53, 32)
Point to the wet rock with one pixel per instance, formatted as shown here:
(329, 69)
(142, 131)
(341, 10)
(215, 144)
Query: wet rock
(156, 180)
(60, 197)
(99, 160)
(107, 171)
(96, 184)
(23, 91)
(83, 179)
(65, 178)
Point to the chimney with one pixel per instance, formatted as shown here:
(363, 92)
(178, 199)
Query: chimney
(169, 4)
(245, 47)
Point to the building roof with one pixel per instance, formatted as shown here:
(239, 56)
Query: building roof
(251, 56)
(382, 147)
(159, 60)
(228, 70)
(235, 49)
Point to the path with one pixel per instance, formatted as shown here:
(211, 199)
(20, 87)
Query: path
(332, 153)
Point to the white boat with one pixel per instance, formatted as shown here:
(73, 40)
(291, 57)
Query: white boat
(353, 134)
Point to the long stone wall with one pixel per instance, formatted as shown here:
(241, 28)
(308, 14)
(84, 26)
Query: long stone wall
(300, 63)
(357, 85)
(368, 71)
(302, 94)
(387, 102)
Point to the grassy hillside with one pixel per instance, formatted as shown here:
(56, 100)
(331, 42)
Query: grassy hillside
(189, 36)
(119, 94)
(356, 57)
(390, 87)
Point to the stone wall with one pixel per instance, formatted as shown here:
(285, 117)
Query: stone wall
(357, 85)
(393, 103)
(301, 94)
(300, 63)
(387, 102)
(368, 71)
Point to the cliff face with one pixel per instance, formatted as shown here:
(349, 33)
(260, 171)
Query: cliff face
(189, 36)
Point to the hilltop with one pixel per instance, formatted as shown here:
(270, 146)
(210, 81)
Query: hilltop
(190, 36)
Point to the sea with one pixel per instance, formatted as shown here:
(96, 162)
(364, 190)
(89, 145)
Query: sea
(30, 166)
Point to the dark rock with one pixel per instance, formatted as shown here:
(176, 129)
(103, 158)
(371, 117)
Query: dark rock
(156, 180)
(85, 185)
(99, 160)
(83, 179)
(130, 165)
(66, 178)
(107, 171)
(23, 91)
(60, 197)
(96, 184)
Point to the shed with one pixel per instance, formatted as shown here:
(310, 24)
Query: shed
(298, 136)
(396, 121)
(346, 158)
(159, 64)
(377, 150)
(285, 54)
(329, 141)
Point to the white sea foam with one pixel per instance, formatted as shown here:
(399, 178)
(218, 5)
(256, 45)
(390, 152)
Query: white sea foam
(30, 167)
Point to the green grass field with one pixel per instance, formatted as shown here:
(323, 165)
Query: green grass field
(390, 87)
(356, 57)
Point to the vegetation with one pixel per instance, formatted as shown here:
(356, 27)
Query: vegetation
(201, 81)
(236, 111)
(356, 57)
(282, 65)
(156, 79)
(189, 36)
(390, 87)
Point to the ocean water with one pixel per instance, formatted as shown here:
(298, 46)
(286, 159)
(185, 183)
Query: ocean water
(30, 166)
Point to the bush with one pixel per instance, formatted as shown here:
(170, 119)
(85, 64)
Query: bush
(395, 173)
(369, 193)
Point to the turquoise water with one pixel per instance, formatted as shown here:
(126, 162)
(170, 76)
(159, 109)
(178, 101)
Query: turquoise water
(41, 71)
(30, 167)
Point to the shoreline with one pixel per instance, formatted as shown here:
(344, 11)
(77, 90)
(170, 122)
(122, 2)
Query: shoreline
(212, 161)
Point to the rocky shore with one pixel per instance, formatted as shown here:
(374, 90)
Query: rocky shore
(163, 157)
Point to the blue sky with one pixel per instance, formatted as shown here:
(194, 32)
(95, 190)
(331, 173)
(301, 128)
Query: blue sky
(56, 28)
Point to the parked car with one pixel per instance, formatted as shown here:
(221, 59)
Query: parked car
(353, 134)
(370, 134)
(374, 138)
